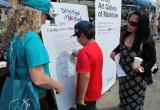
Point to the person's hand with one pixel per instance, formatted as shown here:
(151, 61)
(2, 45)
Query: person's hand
(59, 88)
(112, 55)
(139, 69)
(74, 53)
(80, 101)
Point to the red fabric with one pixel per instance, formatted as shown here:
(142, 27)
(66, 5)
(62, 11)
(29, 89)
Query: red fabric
(90, 60)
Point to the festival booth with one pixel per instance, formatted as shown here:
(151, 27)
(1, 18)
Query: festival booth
(56, 38)
(138, 4)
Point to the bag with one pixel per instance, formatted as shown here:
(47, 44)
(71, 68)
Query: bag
(21, 95)
(154, 68)
(18, 94)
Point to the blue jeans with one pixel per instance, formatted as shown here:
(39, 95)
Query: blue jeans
(149, 80)
(154, 34)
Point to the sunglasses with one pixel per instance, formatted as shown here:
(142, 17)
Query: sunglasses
(132, 23)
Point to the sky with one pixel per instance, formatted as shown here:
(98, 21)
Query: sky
(153, 1)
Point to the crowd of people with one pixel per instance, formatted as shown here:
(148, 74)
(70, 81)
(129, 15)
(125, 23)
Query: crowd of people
(135, 41)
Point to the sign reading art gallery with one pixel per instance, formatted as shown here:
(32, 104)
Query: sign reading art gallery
(108, 23)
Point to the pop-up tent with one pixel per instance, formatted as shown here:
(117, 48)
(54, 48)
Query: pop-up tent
(139, 3)
(4, 4)
(147, 3)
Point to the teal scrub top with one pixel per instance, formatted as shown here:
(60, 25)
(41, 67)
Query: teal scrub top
(30, 53)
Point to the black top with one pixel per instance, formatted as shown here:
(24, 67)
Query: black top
(148, 54)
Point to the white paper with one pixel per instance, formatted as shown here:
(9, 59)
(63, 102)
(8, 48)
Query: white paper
(3, 64)
(120, 71)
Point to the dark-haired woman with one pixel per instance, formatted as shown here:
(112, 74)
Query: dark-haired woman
(135, 42)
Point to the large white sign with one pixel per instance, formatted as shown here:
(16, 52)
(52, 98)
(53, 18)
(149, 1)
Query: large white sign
(108, 19)
(56, 38)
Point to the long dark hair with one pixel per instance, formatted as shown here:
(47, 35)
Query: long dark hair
(142, 31)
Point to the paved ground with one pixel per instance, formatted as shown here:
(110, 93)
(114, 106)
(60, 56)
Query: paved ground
(110, 99)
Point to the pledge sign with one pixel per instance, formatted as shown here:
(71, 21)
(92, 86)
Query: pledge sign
(56, 38)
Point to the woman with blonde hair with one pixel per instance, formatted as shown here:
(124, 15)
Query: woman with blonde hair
(32, 57)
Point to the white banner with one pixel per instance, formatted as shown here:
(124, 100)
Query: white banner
(56, 38)
(108, 23)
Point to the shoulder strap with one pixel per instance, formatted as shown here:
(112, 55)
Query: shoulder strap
(13, 58)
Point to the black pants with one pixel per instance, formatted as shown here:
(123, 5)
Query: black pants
(91, 105)
(48, 102)
(44, 104)
(4, 72)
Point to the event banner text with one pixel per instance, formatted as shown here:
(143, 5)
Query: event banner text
(106, 9)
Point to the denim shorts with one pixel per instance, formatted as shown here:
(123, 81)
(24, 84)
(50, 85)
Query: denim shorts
(154, 34)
